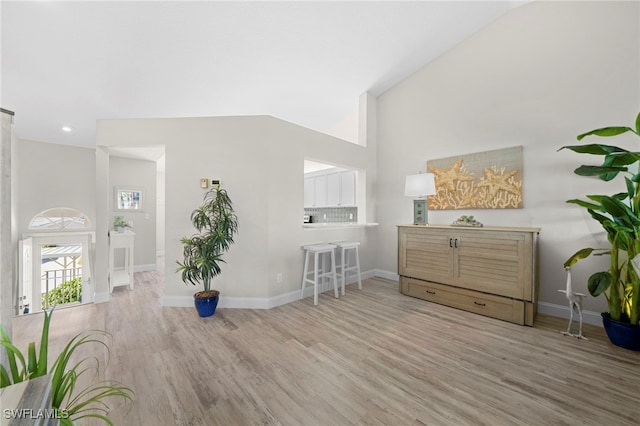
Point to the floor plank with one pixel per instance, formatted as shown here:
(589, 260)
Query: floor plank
(372, 357)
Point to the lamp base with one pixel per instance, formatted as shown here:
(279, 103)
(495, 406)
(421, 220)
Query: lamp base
(419, 212)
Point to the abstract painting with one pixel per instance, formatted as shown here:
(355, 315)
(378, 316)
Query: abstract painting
(484, 180)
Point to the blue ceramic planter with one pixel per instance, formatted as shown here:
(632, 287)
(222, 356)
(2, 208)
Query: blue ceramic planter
(206, 306)
(622, 334)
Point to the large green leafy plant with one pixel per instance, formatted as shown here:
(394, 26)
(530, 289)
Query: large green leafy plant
(70, 403)
(619, 215)
(217, 224)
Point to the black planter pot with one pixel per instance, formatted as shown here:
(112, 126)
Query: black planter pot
(622, 334)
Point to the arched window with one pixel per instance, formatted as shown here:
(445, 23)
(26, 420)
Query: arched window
(55, 260)
(60, 218)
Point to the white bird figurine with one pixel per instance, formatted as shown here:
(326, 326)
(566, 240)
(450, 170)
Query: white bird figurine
(575, 301)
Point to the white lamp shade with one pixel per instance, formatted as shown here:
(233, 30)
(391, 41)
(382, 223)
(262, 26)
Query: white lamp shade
(420, 185)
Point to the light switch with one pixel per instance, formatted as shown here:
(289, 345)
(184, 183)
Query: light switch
(204, 183)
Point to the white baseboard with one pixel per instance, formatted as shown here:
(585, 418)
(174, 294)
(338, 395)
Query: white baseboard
(283, 299)
(145, 268)
(237, 302)
(308, 291)
(101, 297)
(560, 311)
(259, 302)
(393, 276)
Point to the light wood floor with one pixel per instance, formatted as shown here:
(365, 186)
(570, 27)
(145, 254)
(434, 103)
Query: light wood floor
(372, 357)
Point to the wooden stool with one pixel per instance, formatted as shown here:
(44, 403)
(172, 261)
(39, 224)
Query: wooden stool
(343, 266)
(317, 250)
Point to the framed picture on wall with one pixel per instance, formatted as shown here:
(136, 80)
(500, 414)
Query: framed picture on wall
(128, 198)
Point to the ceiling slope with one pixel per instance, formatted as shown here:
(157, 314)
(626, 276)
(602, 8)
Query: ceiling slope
(72, 63)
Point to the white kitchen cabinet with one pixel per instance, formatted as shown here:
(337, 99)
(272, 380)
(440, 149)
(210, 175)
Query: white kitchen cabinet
(321, 191)
(348, 188)
(309, 191)
(341, 189)
(315, 191)
(333, 189)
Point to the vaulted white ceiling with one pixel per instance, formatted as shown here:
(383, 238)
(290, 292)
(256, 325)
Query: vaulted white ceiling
(72, 63)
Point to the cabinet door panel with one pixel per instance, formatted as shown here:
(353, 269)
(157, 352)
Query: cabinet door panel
(333, 190)
(348, 188)
(426, 255)
(309, 192)
(491, 262)
(321, 191)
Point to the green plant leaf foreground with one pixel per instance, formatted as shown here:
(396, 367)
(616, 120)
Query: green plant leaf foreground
(90, 402)
(619, 216)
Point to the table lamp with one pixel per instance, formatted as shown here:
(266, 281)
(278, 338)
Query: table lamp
(420, 185)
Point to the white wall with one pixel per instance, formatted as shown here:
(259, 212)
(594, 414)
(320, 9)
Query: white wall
(52, 175)
(8, 234)
(537, 77)
(102, 224)
(346, 129)
(160, 207)
(130, 173)
(260, 162)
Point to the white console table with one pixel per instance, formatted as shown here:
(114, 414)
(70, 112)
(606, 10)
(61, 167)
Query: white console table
(121, 275)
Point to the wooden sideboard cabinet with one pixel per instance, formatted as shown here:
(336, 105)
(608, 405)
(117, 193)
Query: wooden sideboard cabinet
(490, 270)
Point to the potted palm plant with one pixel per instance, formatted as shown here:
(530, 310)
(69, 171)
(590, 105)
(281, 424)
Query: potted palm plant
(619, 216)
(70, 403)
(216, 223)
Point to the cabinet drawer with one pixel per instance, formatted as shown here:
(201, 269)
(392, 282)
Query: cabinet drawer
(480, 303)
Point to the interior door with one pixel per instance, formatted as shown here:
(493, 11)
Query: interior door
(25, 276)
(87, 281)
(31, 265)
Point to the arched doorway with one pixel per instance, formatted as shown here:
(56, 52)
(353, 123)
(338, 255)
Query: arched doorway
(56, 258)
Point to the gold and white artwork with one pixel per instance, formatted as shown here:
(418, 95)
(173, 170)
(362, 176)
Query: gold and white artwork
(484, 180)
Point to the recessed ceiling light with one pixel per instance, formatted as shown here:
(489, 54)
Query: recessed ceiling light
(66, 129)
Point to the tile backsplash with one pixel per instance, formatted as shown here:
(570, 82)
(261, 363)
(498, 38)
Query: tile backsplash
(332, 214)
